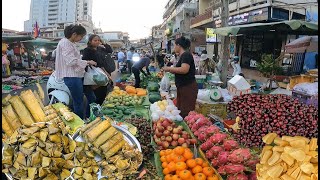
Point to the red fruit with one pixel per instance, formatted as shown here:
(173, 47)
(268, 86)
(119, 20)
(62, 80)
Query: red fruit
(230, 144)
(156, 140)
(162, 138)
(217, 138)
(214, 162)
(234, 168)
(175, 136)
(165, 144)
(216, 150)
(223, 158)
(176, 130)
(252, 176)
(160, 128)
(237, 177)
(181, 141)
(185, 136)
(165, 123)
(193, 141)
(222, 170)
(202, 136)
(169, 139)
(169, 128)
(206, 146)
(180, 127)
(251, 163)
(184, 145)
(174, 143)
(240, 155)
(212, 129)
(166, 133)
(157, 133)
(159, 143)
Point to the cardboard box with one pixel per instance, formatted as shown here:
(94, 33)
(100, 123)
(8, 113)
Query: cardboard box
(238, 86)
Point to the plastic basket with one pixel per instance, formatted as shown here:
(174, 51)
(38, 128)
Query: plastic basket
(294, 80)
(305, 98)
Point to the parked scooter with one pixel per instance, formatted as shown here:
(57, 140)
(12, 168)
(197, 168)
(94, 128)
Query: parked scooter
(57, 91)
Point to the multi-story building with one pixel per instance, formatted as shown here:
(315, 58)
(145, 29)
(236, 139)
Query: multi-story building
(251, 46)
(49, 13)
(116, 39)
(177, 19)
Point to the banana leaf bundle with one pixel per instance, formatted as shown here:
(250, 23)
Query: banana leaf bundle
(106, 135)
(22, 111)
(114, 149)
(33, 105)
(111, 142)
(11, 117)
(97, 130)
(6, 126)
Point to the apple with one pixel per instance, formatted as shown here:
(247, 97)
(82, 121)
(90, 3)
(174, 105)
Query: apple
(165, 123)
(162, 138)
(174, 143)
(160, 128)
(166, 133)
(155, 137)
(175, 136)
(157, 133)
(181, 141)
(176, 130)
(169, 128)
(193, 141)
(188, 142)
(185, 145)
(185, 136)
(180, 127)
(159, 143)
(169, 138)
(185, 132)
(165, 144)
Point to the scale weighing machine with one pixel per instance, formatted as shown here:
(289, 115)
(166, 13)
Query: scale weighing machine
(215, 93)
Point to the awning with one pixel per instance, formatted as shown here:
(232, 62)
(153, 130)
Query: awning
(293, 26)
(11, 39)
(306, 43)
(39, 42)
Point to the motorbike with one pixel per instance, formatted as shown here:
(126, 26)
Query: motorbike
(57, 91)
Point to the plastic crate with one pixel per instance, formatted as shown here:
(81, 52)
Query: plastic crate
(294, 80)
(305, 98)
(218, 109)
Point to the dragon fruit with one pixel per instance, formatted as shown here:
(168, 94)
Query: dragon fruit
(251, 163)
(222, 170)
(223, 158)
(252, 176)
(214, 162)
(240, 155)
(234, 168)
(216, 150)
(217, 138)
(192, 113)
(206, 146)
(230, 144)
(238, 177)
(202, 137)
(209, 154)
(212, 129)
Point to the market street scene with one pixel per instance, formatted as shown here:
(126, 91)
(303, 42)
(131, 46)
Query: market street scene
(160, 90)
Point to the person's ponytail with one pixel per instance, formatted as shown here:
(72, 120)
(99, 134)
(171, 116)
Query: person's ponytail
(78, 29)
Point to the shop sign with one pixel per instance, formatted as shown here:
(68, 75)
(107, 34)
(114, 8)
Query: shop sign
(248, 17)
(210, 36)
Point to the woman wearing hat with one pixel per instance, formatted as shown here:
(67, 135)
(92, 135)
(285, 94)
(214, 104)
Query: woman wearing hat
(206, 65)
(236, 66)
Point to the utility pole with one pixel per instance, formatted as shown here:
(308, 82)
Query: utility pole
(225, 41)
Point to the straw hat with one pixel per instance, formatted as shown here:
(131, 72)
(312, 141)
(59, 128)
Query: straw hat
(203, 57)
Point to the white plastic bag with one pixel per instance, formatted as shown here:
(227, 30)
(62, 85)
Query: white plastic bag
(93, 72)
(165, 83)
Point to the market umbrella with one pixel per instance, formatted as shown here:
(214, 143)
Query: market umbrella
(40, 42)
(11, 39)
(300, 45)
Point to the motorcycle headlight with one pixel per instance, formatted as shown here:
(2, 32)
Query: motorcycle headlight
(135, 59)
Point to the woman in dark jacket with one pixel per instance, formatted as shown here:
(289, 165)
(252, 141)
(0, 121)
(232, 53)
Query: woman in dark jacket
(100, 53)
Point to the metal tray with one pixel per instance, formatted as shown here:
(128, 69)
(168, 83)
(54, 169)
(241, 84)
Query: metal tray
(127, 137)
(9, 177)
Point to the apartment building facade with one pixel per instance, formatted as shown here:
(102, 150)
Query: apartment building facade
(50, 14)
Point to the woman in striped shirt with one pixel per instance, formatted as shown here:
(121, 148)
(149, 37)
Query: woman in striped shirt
(71, 68)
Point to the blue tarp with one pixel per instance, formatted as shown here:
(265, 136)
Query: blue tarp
(310, 61)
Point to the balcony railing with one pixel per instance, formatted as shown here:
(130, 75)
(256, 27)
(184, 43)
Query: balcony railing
(201, 17)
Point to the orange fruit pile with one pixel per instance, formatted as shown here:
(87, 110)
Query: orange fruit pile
(179, 164)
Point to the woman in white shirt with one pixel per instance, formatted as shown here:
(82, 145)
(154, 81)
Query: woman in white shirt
(236, 66)
(71, 68)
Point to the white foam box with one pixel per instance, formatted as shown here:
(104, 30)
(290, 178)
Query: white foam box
(238, 86)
